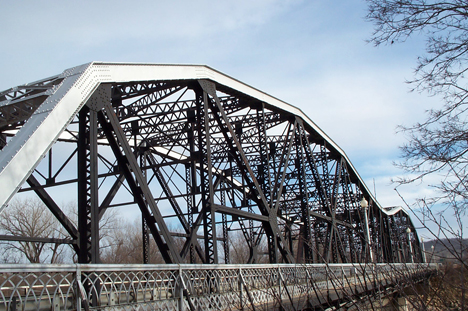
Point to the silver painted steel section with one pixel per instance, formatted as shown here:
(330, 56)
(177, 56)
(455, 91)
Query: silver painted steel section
(26, 149)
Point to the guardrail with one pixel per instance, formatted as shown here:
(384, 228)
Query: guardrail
(194, 287)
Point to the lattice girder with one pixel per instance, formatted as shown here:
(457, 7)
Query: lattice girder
(192, 147)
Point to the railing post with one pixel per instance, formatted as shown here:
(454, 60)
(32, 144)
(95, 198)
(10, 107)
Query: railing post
(285, 285)
(327, 267)
(181, 291)
(81, 292)
(352, 271)
(13, 304)
(280, 296)
(249, 296)
(310, 284)
(56, 303)
(342, 278)
(241, 294)
(78, 288)
(184, 291)
(374, 272)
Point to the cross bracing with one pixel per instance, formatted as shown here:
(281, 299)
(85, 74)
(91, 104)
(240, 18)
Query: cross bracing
(191, 146)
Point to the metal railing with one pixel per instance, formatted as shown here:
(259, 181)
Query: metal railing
(193, 287)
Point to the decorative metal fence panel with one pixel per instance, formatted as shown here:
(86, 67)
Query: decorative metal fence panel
(192, 287)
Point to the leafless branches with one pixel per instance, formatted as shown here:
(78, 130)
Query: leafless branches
(439, 143)
(30, 218)
(125, 245)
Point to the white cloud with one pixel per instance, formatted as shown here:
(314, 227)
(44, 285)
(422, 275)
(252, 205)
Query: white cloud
(43, 38)
(95, 22)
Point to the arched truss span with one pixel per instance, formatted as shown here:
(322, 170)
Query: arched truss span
(191, 147)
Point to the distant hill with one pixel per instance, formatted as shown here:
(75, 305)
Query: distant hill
(445, 250)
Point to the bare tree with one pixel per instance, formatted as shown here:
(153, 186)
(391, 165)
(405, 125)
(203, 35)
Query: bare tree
(31, 218)
(8, 255)
(240, 251)
(125, 245)
(438, 145)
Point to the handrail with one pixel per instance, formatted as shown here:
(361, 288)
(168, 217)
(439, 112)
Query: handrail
(173, 286)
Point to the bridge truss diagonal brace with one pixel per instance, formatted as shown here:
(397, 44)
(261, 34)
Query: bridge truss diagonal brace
(313, 166)
(137, 183)
(25, 150)
(53, 207)
(175, 206)
(272, 225)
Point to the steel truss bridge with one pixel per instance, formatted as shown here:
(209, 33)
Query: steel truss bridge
(190, 146)
(193, 149)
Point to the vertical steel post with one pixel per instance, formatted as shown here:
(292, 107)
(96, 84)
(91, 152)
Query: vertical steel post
(190, 206)
(88, 204)
(191, 175)
(94, 187)
(225, 226)
(410, 247)
(423, 251)
(364, 206)
(304, 196)
(83, 186)
(206, 173)
(144, 225)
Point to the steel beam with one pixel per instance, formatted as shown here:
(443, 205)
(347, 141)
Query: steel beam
(134, 177)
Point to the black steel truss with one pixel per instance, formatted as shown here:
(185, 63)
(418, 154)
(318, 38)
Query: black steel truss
(222, 161)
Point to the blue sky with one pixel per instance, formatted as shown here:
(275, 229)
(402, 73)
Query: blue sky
(311, 54)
